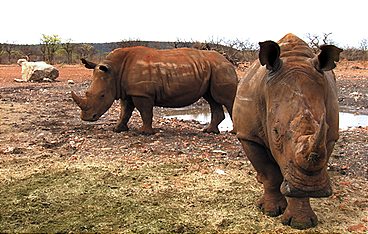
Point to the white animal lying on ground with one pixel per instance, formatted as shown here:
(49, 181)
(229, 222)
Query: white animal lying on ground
(37, 71)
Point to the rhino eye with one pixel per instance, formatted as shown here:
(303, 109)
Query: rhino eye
(276, 134)
(103, 68)
(102, 95)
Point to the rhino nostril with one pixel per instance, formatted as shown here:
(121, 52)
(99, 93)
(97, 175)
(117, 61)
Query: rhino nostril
(94, 116)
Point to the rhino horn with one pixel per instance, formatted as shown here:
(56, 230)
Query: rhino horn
(319, 139)
(81, 102)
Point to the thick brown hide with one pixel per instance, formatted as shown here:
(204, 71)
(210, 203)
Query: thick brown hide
(143, 77)
(286, 117)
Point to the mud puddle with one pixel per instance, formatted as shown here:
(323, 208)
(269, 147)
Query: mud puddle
(203, 115)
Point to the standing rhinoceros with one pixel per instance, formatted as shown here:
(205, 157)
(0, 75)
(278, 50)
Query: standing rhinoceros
(286, 118)
(144, 77)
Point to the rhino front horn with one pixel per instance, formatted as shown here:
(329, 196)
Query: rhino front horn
(319, 143)
(81, 102)
(320, 136)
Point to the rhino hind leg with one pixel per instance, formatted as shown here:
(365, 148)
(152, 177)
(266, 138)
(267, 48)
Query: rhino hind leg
(127, 108)
(145, 108)
(299, 214)
(217, 115)
(273, 202)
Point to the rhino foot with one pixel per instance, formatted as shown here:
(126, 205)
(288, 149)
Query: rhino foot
(147, 131)
(210, 129)
(273, 206)
(299, 214)
(119, 128)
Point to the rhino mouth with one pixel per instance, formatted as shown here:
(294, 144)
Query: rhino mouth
(95, 117)
(90, 118)
(289, 190)
(299, 183)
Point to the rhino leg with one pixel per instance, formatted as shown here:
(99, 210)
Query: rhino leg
(145, 108)
(127, 108)
(273, 202)
(299, 214)
(217, 115)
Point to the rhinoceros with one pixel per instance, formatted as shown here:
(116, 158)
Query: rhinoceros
(286, 118)
(144, 77)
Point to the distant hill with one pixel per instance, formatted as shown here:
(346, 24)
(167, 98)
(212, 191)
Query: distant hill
(109, 46)
(10, 53)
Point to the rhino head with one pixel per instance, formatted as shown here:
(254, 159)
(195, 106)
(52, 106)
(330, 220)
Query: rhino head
(100, 94)
(302, 116)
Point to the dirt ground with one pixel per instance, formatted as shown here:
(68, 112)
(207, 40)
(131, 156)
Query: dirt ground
(60, 174)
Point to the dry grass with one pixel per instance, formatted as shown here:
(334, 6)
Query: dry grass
(97, 195)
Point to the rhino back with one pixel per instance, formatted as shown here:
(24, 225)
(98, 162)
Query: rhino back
(173, 78)
(293, 46)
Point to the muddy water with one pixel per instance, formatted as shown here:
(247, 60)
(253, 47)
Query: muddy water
(347, 120)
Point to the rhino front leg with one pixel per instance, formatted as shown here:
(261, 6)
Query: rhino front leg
(217, 115)
(299, 214)
(127, 108)
(273, 202)
(145, 108)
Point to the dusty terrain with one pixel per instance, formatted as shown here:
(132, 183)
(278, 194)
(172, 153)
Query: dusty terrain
(60, 174)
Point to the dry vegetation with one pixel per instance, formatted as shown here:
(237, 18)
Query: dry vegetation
(59, 174)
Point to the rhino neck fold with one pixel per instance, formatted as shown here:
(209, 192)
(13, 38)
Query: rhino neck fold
(119, 76)
(117, 88)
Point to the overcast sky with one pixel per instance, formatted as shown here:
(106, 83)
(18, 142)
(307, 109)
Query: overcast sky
(24, 21)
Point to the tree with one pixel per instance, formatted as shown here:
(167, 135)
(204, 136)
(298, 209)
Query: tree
(69, 48)
(8, 48)
(49, 45)
(179, 43)
(364, 48)
(315, 41)
(236, 51)
(1, 51)
(86, 51)
(364, 44)
(31, 52)
(131, 42)
(241, 51)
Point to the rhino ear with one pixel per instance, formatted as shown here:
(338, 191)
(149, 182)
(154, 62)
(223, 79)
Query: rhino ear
(269, 55)
(103, 68)
(326, 59)
(88, 64)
